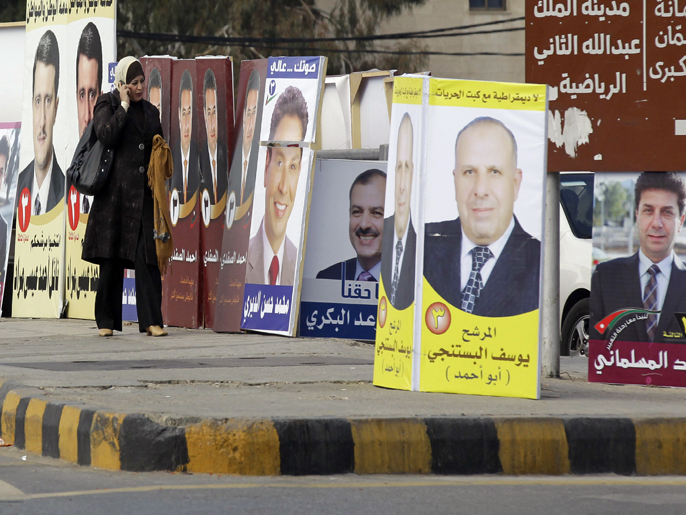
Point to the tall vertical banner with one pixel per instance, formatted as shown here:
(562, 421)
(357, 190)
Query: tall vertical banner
(39, 246)
(157, 70)
(182, 285)
(638, 288)
(237, 214)
(9, 169)
(214, 97)
(345, 232)
(478, 149)
(91, 48)
(278, 229)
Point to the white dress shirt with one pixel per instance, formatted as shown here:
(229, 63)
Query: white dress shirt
(43, 190)
(268, 255)
(496, 249)
(665, 266)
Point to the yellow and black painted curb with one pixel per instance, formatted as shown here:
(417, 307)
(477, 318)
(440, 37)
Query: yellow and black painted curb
(460, 445)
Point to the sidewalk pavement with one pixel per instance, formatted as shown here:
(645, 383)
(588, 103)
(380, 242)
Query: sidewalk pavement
(199, 401)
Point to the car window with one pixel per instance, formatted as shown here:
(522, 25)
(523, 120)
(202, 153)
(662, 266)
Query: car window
(576, 197)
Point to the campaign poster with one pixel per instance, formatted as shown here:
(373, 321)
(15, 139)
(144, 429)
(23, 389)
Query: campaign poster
(483, 233)
(214, 96)
(395, 339)
(340, 290)
(157, 70)
(9, 169)
(228, 308)
(90, 53)
(38, 285)
(182, 303)
(638, 286)
(158, 82)
(282, 190)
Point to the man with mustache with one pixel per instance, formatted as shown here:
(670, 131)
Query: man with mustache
(484, 262)
(654, 278)
(271, 254)
(185, 154)
(365, 229)
(43, 177)
(399, 245)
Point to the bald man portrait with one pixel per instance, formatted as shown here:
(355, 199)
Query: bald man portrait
(400, 238)
(483, 262)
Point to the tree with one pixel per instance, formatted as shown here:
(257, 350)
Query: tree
(261, 21)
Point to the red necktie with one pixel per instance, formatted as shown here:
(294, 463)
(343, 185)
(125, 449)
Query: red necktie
(273, 270)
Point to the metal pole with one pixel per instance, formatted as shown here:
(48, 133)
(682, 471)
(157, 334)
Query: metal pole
(550, 309)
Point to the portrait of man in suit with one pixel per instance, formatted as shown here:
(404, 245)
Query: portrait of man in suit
(244, 161)
(365, 229)
(400, 241)
(88, 83)
(271, 254)
(653, 278)
(185, 154)
(214, 157)
(43, 176)
(483, 262)
(155, 90)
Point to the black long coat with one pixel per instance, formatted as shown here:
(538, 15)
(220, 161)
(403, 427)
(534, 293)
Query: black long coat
(125, 201)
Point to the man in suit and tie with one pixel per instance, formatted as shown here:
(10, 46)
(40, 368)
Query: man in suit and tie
(271, 254)
(185, 154)
(213, 158)
(365, 229)
(398, 262)
(43, 176)
(653, 280)
(244, 161)
(88, 85)
(484, 262)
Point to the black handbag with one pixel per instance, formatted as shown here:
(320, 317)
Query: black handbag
(91, 163)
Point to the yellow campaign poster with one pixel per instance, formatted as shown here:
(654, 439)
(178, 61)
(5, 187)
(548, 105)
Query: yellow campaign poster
(38, 277)
(91, 48)
(483, 230)
(462, 244)
(394, 359)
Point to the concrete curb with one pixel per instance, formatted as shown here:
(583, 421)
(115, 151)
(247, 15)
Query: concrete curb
(484, 445)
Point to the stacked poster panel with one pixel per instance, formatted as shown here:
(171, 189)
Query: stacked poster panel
(638, 288)
(282, 191)
(67, 56)
(345, 234)
(39, 246)
(157, 70)
(88, 72)
(182, 303)
(214, 97)
(9, 169)
(472, 154)
(240, 195)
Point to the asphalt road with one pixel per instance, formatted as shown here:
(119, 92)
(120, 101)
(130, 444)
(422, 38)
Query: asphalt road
(31, 485)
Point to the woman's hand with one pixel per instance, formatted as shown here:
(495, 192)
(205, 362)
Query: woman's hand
(124, 93)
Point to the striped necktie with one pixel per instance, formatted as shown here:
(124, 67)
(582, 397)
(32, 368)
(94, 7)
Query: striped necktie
(650, 301)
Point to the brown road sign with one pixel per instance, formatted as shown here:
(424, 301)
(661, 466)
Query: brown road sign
(617, 77)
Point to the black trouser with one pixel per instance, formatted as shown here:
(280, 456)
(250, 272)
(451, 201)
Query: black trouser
(108, 299)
